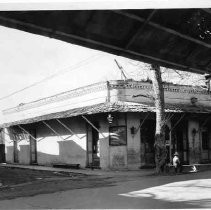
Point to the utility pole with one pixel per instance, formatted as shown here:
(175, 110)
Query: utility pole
(121, 69)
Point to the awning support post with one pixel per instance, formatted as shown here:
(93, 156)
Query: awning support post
(65, 126)
(93, 126)
(205, 121)
(68, 137)
(142, 122)
(40, 139)
(53, 130)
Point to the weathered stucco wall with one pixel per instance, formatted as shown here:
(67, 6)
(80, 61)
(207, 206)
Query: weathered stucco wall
(126, 156)
(104, 144)
(52, 149)
(118, 154)
(134, 141)
(24, 152)
(194, 142)
(174, 94)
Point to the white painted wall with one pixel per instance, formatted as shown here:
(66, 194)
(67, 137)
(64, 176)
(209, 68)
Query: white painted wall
(52, 149)
(174, 94)
(97, 95)
(134, 141)
(104, 144)
(24, 151)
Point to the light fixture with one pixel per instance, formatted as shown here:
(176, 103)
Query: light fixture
(194, 131)
(110, 118)
(133, 130)
(194, 100)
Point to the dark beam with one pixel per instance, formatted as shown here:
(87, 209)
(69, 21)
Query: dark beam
(155, 25)
(140, 29)
(75, 39)
(208, 11)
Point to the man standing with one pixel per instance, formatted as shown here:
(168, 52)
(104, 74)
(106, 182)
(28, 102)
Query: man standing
(176, 162)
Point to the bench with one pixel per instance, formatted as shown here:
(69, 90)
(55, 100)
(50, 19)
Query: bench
(72, 166)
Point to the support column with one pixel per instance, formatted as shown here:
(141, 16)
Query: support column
(194, 142)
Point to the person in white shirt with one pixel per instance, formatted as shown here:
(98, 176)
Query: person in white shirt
(176, 162)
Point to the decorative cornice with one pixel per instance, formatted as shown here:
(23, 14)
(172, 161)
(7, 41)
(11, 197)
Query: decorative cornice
(148, 86)
(114, 84)
(59, 97)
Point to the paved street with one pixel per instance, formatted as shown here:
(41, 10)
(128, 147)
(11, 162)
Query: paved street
(125, 190)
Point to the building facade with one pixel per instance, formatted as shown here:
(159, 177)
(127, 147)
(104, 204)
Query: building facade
(108, 125)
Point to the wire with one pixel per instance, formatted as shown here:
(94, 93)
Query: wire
(58, 73)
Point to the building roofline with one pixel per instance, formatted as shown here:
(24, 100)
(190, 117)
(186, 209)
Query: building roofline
(95, 87)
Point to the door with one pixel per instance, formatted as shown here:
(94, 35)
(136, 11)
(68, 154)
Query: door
(168, 142)
(180, 141)
(33, 147)
(15, 146)
(205, 145)
(93, 156)
(147, 142)
(95, 147)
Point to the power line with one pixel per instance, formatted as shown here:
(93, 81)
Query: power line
(58, 73)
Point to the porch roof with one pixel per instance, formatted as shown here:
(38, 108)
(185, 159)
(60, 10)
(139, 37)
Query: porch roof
(109, 108)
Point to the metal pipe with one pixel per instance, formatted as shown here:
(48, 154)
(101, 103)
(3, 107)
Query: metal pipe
(93, 126)
(27, 132)
(65, 126)
(53, 130)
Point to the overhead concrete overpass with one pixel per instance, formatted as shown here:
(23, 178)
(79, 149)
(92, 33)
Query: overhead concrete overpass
(174, 38)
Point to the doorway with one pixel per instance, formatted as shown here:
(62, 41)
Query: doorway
(147, 142)
(95, 148)
(93, 154)
(180, 141)
(15, 147)
(33, 147)
(205, 144)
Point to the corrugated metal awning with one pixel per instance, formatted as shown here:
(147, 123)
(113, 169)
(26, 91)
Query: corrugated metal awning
(108, 108)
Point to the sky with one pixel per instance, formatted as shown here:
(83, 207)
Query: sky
(26, 59)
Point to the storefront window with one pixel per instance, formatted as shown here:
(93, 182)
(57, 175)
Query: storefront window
(117, 136)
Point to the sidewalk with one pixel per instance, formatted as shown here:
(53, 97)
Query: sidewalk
(97, 172)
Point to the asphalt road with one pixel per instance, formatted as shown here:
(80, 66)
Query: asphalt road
(125, 192)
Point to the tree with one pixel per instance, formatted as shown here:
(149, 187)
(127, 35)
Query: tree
(170, 76)
(160, 145)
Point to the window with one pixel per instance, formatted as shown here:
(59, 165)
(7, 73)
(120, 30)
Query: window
(117, 136)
